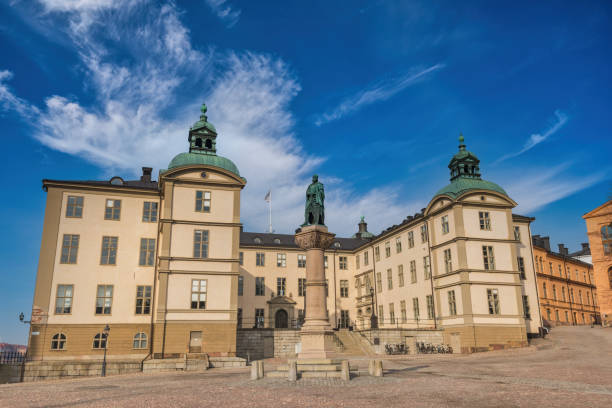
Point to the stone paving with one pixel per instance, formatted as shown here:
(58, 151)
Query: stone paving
(571, 368)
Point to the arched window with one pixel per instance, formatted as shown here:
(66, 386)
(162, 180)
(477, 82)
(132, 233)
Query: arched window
(257, 240)
(140, 341)
(208, 144)
(58, 341)
(606, 239)
(99, 341)
(198, 142)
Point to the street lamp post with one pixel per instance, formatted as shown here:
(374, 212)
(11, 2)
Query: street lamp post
(373, 319)
(105, 339)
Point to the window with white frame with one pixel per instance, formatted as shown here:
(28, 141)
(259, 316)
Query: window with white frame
(281, 286)
(140, 341)
(389, 279)
(63, 299)
(378, 282)
(403, 311)
(430, 306)
(413, 272)
(281, 260)
(452, 303)
(448, 261)
(398, 245)
(485, 221)
(344, 288)
(260, 259)
(488, 258)
(202, 203)
(423, 233)
(493, 299)
(104, 299)
(415, 308)
(198, 293)
(444, 224)
(301, 286)
(143, 299)
(343, 262)
(200, 244)
(301, 258)
(410, 239)
(387, 249)
(400, 275)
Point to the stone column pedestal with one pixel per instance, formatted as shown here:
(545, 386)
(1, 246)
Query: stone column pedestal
(317, 334)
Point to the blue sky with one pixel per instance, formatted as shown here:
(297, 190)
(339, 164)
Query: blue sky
(371, 95)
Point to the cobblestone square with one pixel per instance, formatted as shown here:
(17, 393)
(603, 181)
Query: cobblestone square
(570, 368)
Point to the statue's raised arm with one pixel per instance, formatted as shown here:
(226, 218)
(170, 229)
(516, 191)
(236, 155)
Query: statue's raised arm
(314, 213)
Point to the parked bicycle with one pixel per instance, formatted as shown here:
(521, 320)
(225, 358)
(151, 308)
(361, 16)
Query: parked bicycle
(400, 348)
(428, 348)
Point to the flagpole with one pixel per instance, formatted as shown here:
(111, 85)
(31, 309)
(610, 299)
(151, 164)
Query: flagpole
(270, 212)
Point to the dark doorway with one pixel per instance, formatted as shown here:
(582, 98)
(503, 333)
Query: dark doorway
(281, 320)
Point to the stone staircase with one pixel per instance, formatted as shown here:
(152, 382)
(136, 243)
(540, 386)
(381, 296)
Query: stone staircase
(353, 343)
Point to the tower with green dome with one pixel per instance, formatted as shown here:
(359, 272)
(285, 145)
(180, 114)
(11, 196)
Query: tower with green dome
(203, 147)
(465, 174)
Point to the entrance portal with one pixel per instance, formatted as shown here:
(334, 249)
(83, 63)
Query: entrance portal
(281, 319)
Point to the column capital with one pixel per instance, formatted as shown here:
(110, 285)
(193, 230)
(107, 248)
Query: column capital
(314, 237)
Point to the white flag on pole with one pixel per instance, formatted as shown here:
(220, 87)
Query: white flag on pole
(267, 198)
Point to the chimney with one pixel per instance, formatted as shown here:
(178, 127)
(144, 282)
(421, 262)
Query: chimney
(585, 246)
(546, 243)
(562, 249)
(146, 174)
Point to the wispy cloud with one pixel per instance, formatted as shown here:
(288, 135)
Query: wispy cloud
(537, 187)
(145, 101)
(537, 138)
(381, 91)
(224, 11)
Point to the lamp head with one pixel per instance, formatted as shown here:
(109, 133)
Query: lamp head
(21, 317)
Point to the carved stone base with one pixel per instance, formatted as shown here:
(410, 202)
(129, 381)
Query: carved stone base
(317, 345)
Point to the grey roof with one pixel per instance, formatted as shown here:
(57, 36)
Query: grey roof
(148, 185)
(288, 241)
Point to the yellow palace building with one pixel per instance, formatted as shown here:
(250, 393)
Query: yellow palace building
(167, 266)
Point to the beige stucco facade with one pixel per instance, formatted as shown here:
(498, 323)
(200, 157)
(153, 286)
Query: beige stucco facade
(201, 269)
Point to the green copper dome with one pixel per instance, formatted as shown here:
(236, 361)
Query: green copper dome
(461, 185)
(187, 159)
(465, 174)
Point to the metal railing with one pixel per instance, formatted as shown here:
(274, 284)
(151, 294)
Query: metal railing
(12, 357)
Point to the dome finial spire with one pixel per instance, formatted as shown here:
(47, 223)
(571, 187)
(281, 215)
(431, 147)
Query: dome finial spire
(461, 141)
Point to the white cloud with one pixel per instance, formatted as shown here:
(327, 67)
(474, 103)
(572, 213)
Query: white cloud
(224, 11)
(539, 187)
(376, 93)
(134, 120)
(537, 138)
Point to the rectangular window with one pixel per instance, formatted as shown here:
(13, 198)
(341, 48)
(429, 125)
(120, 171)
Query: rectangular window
(378, 282)
(554, 292)
(301, 286)
(493, 299)
(381, 314)
(548, 314)
(63, 299)
(240, 285)
(488, 258)
(566, 316)
(521, 267)
(400, 275)
(366, 259)
(368, 283)
(517, 233)
(345, 320)
(391, 313)
(344, 288)
(147, 252)
(281, 286)
(112, 211)
(413, 272)
(387, 249)
(415, 308)
(430, 306)
(411, 239)
(563, 293)
(544, 294)
(485, 221)
(260, 286)
(448, 261)
(423, 233)
(356, 261)
(398, 245)
(281, 260)
(241, 258)
(104, 299)
(149, 211)
(239, 318)
(343, 262)
(403, 311)
(444, 223)
(70, 248)
(198, 294)
(202, 203)
(74, 207)
(109, 251)
(557, 315)
(325, 264)
(326, 288)
(301, 261)
(259, 318)
(427, 267)
(376, 254)
(452, 303)
(549, 267)
(260, 259)
(389, 279)
(200, 244)
(143, 300)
